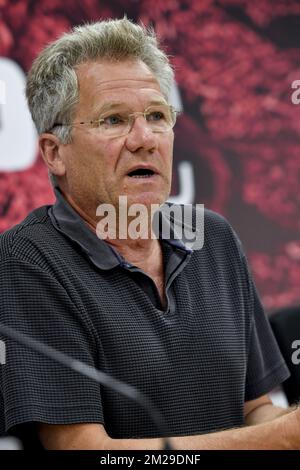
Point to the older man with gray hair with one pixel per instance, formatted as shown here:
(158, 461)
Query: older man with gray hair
(184, 326)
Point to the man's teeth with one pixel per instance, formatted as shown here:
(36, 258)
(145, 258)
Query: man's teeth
(141, 176)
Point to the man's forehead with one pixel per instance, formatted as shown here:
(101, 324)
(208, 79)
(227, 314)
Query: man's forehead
(104, 80)
(105, 74)
(135, 83)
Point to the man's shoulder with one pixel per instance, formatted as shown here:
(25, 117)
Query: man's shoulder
(216, 221)
(34, 228)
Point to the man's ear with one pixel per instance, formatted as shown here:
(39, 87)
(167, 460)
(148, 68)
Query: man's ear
(50, 147)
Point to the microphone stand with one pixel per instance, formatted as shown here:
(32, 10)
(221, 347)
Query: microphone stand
(98, 376)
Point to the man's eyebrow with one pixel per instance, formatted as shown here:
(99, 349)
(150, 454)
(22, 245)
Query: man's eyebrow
(109, 106)
(113, 105)
(157, 102)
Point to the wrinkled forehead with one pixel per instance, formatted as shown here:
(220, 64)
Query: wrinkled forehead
(103, 80)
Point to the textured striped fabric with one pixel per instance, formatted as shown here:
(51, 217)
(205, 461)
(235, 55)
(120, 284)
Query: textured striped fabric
(198, 360)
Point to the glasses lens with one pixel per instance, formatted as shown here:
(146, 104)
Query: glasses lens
(160, 118)
(114, 124)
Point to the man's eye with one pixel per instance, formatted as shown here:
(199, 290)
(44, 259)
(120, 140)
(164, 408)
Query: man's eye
(155, 116)
(113, 120)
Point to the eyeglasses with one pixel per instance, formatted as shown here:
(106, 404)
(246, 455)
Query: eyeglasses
(159, 118)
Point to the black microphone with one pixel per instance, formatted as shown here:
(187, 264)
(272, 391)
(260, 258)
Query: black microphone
(98, 376)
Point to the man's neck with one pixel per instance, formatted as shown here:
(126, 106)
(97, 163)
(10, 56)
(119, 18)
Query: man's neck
(138, 252)
(142, 252)
(83, 214)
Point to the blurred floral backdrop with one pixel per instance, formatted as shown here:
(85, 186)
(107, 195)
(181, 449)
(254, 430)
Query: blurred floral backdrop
(235, 61)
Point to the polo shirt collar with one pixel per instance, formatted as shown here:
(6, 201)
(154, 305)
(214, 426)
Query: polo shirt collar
(67, 221)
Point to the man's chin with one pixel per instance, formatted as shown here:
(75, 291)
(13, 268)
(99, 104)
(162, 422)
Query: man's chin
(146, 200)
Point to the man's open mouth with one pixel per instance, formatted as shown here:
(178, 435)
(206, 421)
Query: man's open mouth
(141, 173)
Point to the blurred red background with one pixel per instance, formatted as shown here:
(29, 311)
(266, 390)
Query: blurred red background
(235, 61)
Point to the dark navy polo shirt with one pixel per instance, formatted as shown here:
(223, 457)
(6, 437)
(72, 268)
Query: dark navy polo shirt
(199, 359)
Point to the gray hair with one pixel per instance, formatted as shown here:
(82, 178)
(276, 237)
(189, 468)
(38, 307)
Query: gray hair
(52, 86)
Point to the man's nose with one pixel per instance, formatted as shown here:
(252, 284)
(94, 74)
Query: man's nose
(141, 136)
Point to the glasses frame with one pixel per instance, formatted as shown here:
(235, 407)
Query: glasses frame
(131, 119)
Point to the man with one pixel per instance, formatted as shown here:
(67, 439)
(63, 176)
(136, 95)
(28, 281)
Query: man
(184, 326)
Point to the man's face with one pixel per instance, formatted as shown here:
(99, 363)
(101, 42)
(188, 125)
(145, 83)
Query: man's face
(97, 167)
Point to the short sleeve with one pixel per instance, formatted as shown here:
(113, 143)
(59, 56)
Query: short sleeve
(32, 387)
(265, 365)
